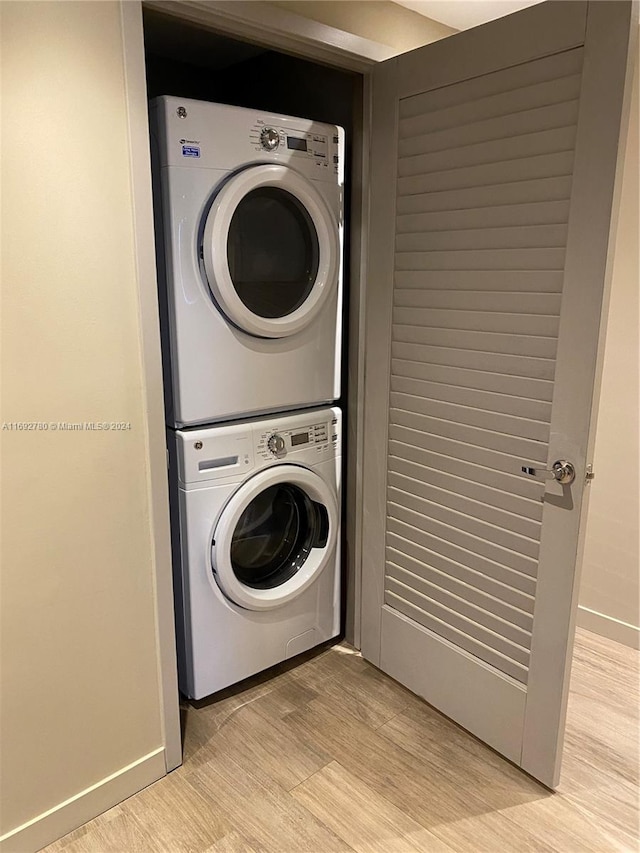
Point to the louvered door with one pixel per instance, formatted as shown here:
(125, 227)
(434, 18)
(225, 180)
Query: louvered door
(494, 162)
(473, 349)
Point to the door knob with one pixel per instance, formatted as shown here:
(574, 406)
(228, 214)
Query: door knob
(561, 471)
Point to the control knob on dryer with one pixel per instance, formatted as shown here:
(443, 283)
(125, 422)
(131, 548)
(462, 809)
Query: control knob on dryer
(276, 445)
(269, 138)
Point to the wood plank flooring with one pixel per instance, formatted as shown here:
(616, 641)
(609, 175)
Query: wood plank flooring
(331, 755)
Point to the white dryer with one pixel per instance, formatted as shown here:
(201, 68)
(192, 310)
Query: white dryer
(252, 211)
(256, 546)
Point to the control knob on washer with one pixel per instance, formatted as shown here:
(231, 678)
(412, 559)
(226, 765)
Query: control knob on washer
(269, 138)
(276, 445)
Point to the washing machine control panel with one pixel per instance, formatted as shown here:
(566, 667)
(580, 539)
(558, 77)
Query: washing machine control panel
(278, 443)
(232, 452)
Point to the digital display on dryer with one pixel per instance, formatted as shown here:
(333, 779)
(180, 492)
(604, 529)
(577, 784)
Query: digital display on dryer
(296, 144)
(300, 438)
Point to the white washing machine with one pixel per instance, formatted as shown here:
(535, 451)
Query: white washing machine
(256, 546)
(251, 205)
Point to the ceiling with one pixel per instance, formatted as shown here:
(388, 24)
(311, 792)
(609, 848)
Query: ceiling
(463, 14)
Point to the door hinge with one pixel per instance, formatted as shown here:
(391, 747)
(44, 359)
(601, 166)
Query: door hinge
(590, 474)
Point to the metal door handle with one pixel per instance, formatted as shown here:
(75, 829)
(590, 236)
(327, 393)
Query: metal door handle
(561, 471)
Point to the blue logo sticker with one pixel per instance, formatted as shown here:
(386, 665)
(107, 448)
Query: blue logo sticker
(190, 151)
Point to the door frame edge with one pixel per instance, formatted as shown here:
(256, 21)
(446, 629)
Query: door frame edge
(278, 29)
(151, 364)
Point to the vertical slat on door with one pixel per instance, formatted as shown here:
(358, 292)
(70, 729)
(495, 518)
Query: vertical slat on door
(483, 187)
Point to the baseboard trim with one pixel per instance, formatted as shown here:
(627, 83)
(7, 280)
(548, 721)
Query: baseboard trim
(607, 626)
(84, 806)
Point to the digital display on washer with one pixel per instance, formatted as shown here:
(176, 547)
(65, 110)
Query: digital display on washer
(300, 438)
(296, 144)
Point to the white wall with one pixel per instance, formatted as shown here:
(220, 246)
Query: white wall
(610, 590)
(80, 696)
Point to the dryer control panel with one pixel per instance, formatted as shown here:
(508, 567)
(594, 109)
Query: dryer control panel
(200, 135)
(298, 142)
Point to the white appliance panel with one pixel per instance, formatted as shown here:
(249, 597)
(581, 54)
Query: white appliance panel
(219, 642)
(214, 370)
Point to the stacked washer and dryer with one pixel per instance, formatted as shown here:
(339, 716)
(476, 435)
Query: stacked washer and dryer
(249, 212)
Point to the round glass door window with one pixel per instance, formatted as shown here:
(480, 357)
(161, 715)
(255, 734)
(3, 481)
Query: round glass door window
(272, 252)
(274, 537)
(275, 534)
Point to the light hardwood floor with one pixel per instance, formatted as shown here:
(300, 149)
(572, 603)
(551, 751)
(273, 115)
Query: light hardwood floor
(334, 756)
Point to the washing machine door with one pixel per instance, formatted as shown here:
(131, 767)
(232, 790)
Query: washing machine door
(274, 537)
(271, 251)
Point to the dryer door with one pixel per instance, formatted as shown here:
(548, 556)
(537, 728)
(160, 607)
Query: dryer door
(271, 251)
(274, 537)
